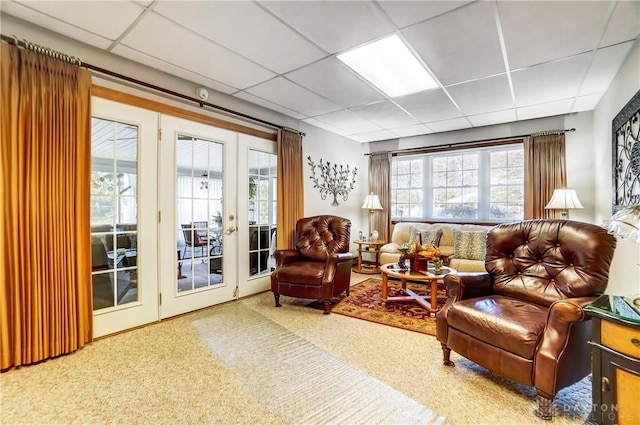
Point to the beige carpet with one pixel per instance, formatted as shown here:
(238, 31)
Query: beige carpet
(299, 381)
(165, 374)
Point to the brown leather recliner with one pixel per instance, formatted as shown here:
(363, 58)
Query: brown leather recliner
(320, 266)
(523, 318)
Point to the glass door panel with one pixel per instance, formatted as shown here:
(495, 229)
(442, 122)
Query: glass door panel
(199, 211)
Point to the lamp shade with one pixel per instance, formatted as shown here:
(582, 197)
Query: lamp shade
(372, 202)
(625, 224)
(564, 199)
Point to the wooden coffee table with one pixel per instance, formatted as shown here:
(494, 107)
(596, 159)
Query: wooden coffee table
(429, 302)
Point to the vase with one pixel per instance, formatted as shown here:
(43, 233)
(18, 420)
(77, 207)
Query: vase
(375, 235)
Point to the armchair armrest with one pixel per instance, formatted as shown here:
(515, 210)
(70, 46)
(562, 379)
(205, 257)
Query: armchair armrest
(333, 260)
(562, 319)
(286, 256)
(390, 247)
(468, 285)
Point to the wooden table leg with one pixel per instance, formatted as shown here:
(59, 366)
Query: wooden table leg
(385, 288)
(434, 296)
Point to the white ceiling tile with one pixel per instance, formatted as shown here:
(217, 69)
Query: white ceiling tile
(139, 57)
(37, 18)
(358, 139)
(493, 118)
(386, 114)
(414, 130)
(404, 13)
(349, 122)
(449, 125)
(586, 103)
(161, 38)
(541, 31)
(325, 126)
(285, 93)
(430, 105)
(551, 81)
(103, 18)
(604, 68)
(333, 25)
(485, 95)
(624, 24)
(269, 105)
(459, 46)
(545, 110)
(331, 79)
(377, 136)
(263, 38)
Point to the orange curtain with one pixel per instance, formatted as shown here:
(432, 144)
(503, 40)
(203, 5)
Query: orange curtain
(45, 266)
(290, 187)
(380, 184)
(545, 170)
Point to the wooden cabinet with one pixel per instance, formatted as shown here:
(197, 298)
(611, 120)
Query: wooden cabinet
(616, 362)
(368, 265)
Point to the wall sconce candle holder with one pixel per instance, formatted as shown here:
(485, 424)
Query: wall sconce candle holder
(333, 179)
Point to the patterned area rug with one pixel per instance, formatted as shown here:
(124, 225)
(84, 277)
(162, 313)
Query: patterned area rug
(364, 302)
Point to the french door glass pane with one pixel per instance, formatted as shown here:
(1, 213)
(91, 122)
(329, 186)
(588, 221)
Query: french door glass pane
(199, 182)
(114, 213)
(262, 211)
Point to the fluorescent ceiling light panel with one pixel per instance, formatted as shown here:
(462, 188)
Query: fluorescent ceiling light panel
(389, 65)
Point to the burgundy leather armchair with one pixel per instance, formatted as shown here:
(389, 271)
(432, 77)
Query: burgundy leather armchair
(523, 318)
(320, 265)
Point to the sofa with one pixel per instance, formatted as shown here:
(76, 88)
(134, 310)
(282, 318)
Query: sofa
(463, 245)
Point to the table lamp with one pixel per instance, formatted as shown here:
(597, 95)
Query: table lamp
(564, 199)
(372, 202)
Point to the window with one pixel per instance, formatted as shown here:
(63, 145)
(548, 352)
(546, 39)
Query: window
(481, 184)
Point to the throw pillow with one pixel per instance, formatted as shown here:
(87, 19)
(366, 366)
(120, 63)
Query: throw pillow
(431, 237)
(470, 245)
(412, 235)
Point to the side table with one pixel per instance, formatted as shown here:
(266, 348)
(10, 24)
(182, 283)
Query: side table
(370, 247)
(616, 361)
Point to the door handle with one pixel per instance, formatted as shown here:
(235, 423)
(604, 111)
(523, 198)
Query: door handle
(230, 230)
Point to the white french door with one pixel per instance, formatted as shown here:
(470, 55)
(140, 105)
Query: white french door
(123, 208)
(198, 237)
(257, 190)
(183, 215)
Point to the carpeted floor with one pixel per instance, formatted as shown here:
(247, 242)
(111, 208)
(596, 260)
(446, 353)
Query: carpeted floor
(171, 373)
(299, 381)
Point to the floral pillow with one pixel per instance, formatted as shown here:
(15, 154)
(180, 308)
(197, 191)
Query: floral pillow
(431, 237)
(470, 245)
(412, 235)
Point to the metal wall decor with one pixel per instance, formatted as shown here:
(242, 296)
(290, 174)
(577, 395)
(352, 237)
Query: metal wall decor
(333, 179)
(626, 155)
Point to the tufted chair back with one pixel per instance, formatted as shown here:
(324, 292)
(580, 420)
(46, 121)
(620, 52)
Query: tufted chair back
(320, 236)
(543, 261)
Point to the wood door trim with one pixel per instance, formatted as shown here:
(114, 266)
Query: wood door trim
(130, 99)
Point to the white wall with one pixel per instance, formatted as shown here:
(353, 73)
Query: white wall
(320, 144)
(625, 271)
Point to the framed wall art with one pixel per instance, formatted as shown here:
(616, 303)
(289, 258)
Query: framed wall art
(626, 155)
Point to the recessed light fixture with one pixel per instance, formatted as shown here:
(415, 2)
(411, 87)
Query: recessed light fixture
(389, 65)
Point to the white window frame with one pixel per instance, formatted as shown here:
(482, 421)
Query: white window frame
(484, 185)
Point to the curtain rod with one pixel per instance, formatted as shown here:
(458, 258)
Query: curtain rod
(73, 60)
(475, 142)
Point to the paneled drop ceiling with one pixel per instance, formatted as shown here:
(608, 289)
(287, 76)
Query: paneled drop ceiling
(494, 61)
